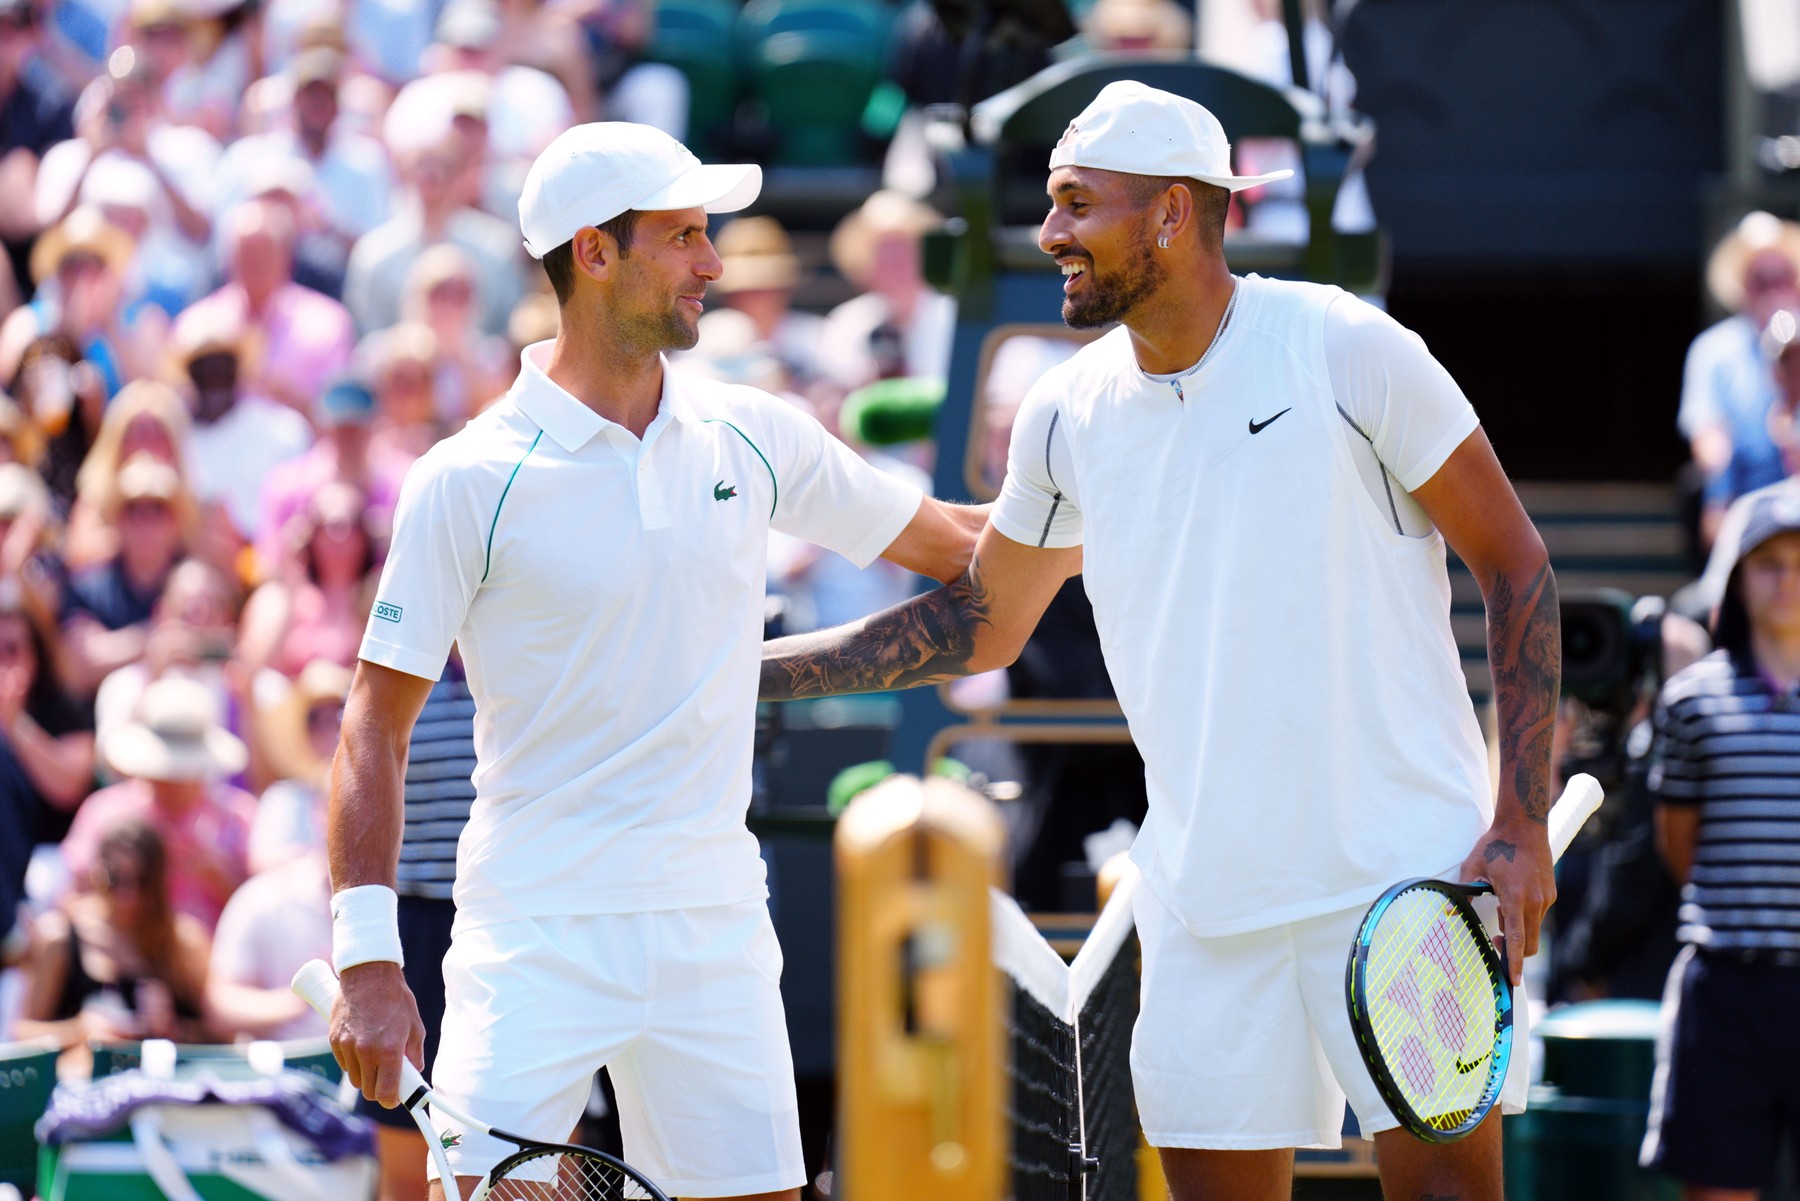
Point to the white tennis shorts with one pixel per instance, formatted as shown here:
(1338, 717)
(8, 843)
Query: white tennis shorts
(1244, 1042)
(683, 1007)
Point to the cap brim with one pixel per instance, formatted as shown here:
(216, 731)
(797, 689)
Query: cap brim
(1237, 183)
(717, 188)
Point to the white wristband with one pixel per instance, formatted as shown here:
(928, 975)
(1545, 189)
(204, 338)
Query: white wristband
(365, 926)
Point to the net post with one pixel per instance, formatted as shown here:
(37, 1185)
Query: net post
(919, 1047)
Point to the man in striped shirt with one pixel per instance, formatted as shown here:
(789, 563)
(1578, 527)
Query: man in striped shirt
(1727, 779)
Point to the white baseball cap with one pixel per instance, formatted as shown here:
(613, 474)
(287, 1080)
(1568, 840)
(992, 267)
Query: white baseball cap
(1141, 130)
(592, 173)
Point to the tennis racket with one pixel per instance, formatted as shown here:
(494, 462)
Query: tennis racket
(1429, 998)
(537, 1171)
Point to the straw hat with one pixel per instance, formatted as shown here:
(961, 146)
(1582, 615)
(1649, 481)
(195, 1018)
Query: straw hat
(885, 212)
(283, 726)
(85, 229)
(756, 255)
(175, 735)
(1756, 233)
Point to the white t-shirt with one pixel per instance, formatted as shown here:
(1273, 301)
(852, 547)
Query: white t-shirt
(229, 459)
(274, 923)
(1277, 631)
(607, 595)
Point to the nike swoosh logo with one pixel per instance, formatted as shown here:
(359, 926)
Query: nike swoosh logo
(1257, 427)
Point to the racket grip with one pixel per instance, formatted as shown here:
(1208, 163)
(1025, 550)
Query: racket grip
(1580, 798)
(316, 984)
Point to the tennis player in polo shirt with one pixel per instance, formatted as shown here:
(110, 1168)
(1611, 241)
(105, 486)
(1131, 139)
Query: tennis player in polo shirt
(594, 543)
(1262, 477)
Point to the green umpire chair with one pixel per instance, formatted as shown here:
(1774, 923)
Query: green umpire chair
(27, 1076)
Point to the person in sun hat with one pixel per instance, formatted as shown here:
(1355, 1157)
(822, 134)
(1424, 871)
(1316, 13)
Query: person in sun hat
(594, 542)
(176, 758)
(1257, 479)
(1728, 380)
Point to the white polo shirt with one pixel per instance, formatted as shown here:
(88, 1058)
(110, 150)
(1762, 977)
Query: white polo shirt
(607, 595)
(1275, 619)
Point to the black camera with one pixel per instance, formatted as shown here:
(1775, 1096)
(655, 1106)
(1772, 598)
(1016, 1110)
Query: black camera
(1612, 660)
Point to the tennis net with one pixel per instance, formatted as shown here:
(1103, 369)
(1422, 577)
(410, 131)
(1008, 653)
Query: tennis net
(1074, 1129)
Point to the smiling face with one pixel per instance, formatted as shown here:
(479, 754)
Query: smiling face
(656, 291)
(1100, 229)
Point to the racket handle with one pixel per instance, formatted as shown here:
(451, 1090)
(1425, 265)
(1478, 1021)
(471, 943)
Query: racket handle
(1572, 809)
(317, 985)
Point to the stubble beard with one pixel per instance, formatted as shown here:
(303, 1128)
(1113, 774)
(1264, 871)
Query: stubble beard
(1112, 298)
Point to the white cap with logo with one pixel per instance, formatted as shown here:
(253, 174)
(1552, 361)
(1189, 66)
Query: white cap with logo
(591, 173)
(1141, 130)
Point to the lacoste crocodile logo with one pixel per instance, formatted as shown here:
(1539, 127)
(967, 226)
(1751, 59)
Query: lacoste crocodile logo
(721, 492)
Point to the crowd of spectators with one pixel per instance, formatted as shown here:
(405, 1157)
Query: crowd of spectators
(259, 258)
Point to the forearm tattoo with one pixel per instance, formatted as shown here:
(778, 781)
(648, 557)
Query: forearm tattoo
(927, 640)
(1525, 650)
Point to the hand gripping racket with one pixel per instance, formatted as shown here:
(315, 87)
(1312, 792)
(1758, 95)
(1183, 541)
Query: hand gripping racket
(1428, 994)
(537, 1171)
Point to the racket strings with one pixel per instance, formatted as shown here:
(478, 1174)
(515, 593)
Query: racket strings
(1431, 1006)
(556, 1175)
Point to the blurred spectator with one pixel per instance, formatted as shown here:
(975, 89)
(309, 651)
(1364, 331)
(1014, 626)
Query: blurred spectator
(294, 338)
(316, 607)
(343, 453)
(281, 917)
(295, 739)
(238, 437)
(193, 634)
(401, 363)
(78, 267)
(118, 960)
(29, 536)
(1727, 753)
(277, 921)
(46, 752)
(36, 112)
(165, 274)
(147, 417)
(616, 34)
(1138, 25)
(1763, 446)
(899, 325)
(175, 757)
(758, 277)
(432, 211)
(442, 294)
(120, 115)
(1278, 210)
(106, 615)
(350, 176)
(207, 58)
(1727, 384)
(61, 396)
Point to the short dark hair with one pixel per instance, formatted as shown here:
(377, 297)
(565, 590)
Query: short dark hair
(1211, 202)
(559, 263)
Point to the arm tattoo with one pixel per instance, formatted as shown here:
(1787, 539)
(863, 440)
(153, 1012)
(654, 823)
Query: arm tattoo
(927, 640)
(1525, 650)
(1500, 849)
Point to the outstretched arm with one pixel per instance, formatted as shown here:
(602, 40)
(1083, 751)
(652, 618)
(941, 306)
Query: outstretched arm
(977, 623)
(1474, 505)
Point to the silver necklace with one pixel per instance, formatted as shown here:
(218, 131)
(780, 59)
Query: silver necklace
(1224, 320)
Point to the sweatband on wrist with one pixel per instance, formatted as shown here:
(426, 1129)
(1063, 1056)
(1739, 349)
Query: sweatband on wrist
(365, 926)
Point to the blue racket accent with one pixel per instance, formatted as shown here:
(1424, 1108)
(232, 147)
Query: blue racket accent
(1431, 1007)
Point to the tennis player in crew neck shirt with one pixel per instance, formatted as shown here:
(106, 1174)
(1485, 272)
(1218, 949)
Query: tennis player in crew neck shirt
(1257, 479)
